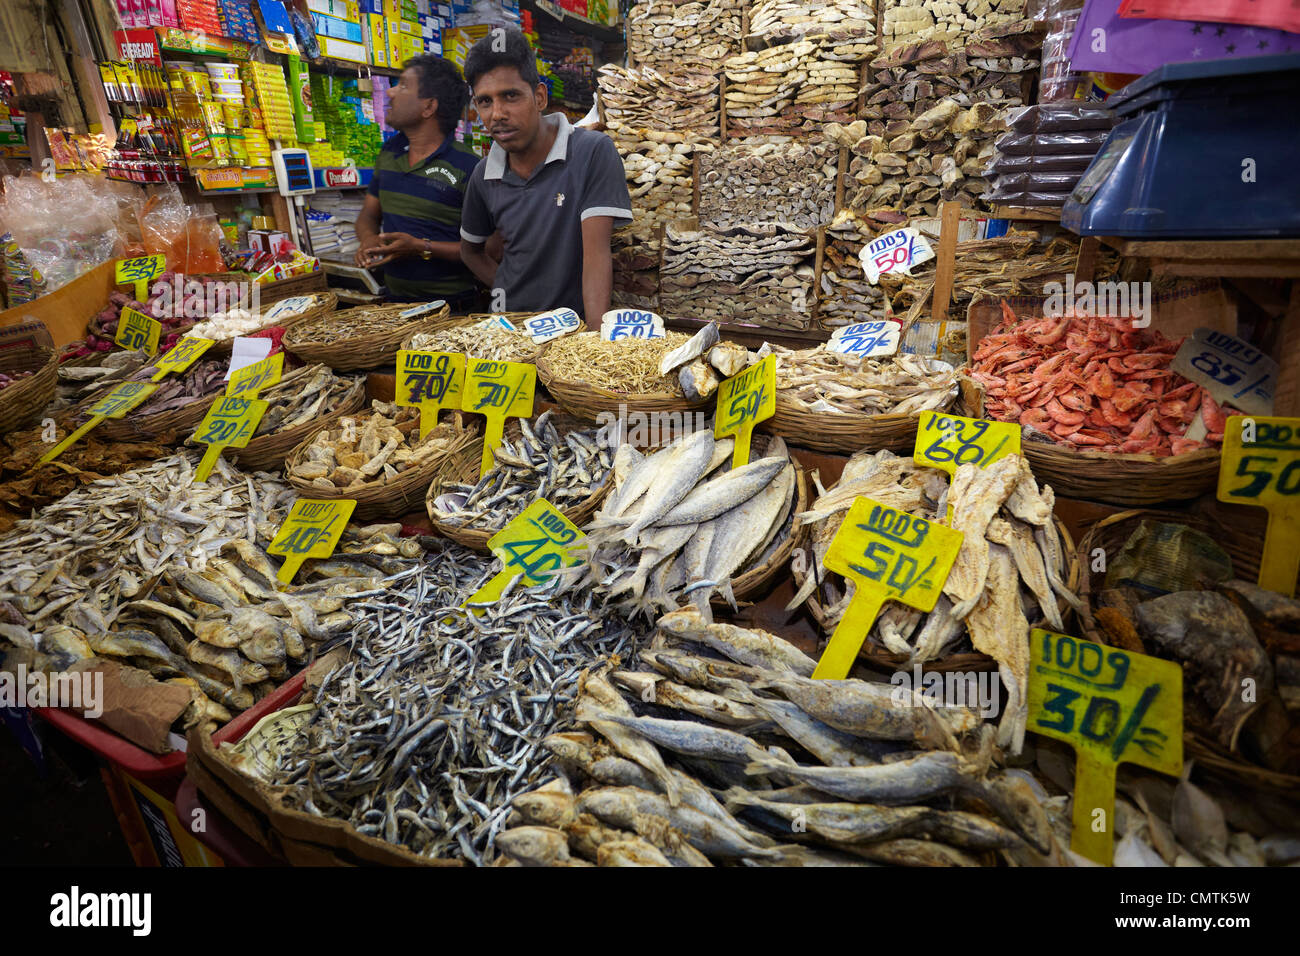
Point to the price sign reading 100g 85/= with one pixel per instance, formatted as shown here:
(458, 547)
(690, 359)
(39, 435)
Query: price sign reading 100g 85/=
(115, 404)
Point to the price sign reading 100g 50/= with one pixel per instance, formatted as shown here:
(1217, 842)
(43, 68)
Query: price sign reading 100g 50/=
(744, 400)
(1260, 466)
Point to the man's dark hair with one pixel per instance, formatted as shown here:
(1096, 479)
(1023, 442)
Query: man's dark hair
(487, 54)
(440, 80)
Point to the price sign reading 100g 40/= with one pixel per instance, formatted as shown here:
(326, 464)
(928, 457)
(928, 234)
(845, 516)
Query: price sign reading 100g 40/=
(537, 544)
(311, 530)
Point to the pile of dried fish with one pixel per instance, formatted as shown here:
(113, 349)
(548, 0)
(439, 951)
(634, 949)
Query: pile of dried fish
(945, 19)
(677, 101)
(435, 722)
(810, 773)
(752, 181)
(845, 296)
(1008, 573)
(681, 524)
(347, 324)
(630, 366)
(79, 382)
(783, 19)
(374, 447)
(170, 576)
(683, 34)
(820, 380)
(760, 275)
(635, 252)
(484, 340)
(930, 119)
(660, 173)
(564, 469)
(789, 90)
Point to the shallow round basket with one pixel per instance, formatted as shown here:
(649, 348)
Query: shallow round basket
(514, 318)
(966, 660)
(326, 303)
(267, 452)
(456, 321)
(403, 494)
(361, 351)
(466, 471)
(175, 424)
(587, 401)
(26, 398)
(757, 581)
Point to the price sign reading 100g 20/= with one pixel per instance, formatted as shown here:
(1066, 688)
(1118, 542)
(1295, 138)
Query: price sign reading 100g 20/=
(231, 422)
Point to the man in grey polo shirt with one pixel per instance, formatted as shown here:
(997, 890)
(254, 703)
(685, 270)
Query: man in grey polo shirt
(554, 192)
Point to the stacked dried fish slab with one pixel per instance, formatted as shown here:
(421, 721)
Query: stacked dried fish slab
(435, 722)
(1010, 570)
(789, 90)
(820, 380)
(758, 180)
(660, 173)
(677, 101)
(910, 20)
(810, 773)
(636, 266)
(845, 296)
(786, 19)
(761, 275)
(683, 34)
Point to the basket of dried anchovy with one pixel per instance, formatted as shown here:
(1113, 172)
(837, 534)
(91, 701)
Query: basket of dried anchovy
(556, 457)
(302, 403)
(28, 377)
(378, 459)
(363, 337)
(483, 339)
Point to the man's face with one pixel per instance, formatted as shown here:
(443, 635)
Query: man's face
(511, 110)
(405, 106)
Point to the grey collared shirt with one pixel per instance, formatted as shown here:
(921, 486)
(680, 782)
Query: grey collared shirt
(541, 218)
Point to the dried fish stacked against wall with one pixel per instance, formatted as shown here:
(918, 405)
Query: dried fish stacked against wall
(932, 113)
(724, 751)
(636, 265)
(845, 296)
(784, 19)
(910, 20)
(679, 100)
(790, 90)
(660, 173)
(683, 34)
(171, 576)
(1010, 571)
(820, 380)
(485, 340)
(760, 275)
(680, 524)
(754, 181)
(444, 709)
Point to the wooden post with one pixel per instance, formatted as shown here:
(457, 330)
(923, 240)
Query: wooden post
(695, 183)
(949, 223)
(819, 263)
(840, 173)
(1286, 400)
(1085, 266)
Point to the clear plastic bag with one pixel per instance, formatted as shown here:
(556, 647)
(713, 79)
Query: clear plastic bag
(62, 229)
(1061, 118)
(189, 238)
(1051, 144)
(1065, 163)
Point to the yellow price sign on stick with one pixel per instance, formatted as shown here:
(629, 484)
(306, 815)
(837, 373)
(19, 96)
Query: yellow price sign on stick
(744, 400)
(537, 544)
(498, 390)
(115, 404)
(429, 381)
(135, 330)
(230, 423)
(312, 529)
(1112, 707)
(889, 555)
(181, 356)
(251, 379)
(139, 271)
(1261, 466)
(948, 441)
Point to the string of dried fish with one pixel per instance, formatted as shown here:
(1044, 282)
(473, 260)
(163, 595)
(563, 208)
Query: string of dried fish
(824, 381)
(628, 365)
(945, 19)
(683, 34)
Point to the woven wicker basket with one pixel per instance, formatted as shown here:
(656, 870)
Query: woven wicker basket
(26, 398)
(406, 492)
(467, 472)
(456, 321)
(756, 581)
(268, 452)
(587, 401)
(326, 303)
(139, 424)
(514, 318)
(361, 351)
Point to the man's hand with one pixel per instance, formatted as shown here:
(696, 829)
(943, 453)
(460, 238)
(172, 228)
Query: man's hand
(365, 254)
(395, 245)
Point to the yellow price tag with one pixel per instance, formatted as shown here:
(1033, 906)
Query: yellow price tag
(429, 381)
(537, 543)
(135, 330)
(1261, 466)
(498, 390)
(889, 555)
(311, 530)
(1112, 707)
(229, 423)
(744, 400)
(139, 271)
(947, 441)
(251, 379)
(115, 404)
(181, 356)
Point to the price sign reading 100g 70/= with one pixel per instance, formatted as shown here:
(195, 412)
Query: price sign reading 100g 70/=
(498, 390)
(429, 381)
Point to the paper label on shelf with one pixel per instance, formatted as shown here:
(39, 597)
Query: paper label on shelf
(135, 330)
(290, 306)
(896, 251)
(866, 339)
(744, 400)
(415, 311)
(552, 325)
(1234, 372)
(949, 441)
(630, 324)
(251, 379)
(181, 356)
(536, 544)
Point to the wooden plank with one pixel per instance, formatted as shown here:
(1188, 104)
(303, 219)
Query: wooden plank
(1217, 249)
(841, 172)
(1226, 268)
(1024, 213)
(67, 310)
(753, 336)
(814, 307)
(1286, 396)
(1085, 265)
(950, 221)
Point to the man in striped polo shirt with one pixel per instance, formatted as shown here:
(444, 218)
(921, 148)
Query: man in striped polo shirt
(418, 189)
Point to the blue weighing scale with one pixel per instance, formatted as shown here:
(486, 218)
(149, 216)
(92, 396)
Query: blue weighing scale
(1202, 150)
